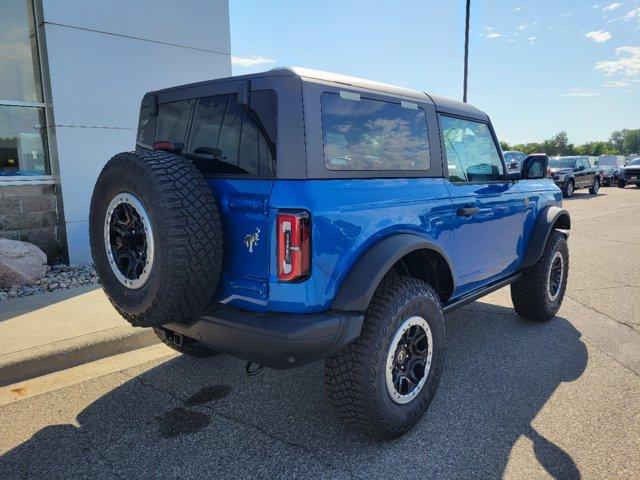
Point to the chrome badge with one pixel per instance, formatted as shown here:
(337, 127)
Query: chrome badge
(251, 240)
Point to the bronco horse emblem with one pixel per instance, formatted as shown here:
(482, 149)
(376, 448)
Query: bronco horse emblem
(251, 240)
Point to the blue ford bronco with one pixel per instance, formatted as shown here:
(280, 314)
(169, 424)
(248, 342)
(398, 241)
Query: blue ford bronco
(294, 215)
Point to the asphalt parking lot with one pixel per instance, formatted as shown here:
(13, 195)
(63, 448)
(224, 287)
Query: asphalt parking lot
(517, 400)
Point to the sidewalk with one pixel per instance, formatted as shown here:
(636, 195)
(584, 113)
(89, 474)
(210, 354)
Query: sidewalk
(45, 333)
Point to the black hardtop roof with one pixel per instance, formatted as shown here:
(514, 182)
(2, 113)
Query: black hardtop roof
(442, 104)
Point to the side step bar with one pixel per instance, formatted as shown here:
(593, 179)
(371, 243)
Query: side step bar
(473, 296)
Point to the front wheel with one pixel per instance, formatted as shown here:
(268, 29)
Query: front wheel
(596, 186)
(621, 184)
(537, 295)
(385, 380)
(569, 189)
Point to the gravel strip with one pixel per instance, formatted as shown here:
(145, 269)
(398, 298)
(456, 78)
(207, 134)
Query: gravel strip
(58, 277)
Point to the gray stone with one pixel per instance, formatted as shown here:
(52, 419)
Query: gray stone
(21, 263)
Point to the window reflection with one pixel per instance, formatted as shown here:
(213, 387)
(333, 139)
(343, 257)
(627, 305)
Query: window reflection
(365, 134)
(19, 71)
(471, 153)
(22, 141)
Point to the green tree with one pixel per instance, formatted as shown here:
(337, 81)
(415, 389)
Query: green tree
(596, 148)
(626, 141)
(504, 146)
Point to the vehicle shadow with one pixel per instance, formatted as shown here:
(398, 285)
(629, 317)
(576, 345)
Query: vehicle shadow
(204, 418)
(584, 195)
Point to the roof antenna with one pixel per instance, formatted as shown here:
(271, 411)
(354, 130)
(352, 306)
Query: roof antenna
(466, 52)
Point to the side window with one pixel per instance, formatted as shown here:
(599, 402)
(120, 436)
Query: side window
(471, 153)
(365, 134)
(173, 119)
(230, 138)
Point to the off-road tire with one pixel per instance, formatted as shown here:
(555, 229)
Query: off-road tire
(189, 346)
(596, 186)
(568, 192)
(355, 376)
(186, 232)
(530, 292)
(621, 184)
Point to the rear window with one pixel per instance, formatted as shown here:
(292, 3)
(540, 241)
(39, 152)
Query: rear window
(238, 140)
(365, 134)
(220, 136)
(173, 120)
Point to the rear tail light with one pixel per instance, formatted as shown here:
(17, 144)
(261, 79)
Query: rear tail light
(168, 146)
(294, 249)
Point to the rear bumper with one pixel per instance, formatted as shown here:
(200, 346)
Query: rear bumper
(276, 340)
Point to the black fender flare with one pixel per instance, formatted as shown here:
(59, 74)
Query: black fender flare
(361, 282)
(547, 220)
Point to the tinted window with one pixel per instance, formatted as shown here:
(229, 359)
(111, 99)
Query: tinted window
(146, 128)
(173, 119)
(364, 134)
(235, 138)
(471, 153)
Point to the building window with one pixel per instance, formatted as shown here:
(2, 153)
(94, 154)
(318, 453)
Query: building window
(22, 119)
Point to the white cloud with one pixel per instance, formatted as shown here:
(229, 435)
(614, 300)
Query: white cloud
(251, 61)
(617, 84)
(518, 9)
(599, 36)
(531, 40)
(492, 35)
(523, 27)
(580, 92)
(597, 5)
(635, 13)
(612, 7)
(566, 14)
(628, 63)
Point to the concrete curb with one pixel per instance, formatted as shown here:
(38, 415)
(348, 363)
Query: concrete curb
(38, 361)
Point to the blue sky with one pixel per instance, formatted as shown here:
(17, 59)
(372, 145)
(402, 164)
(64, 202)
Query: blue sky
(536, 67)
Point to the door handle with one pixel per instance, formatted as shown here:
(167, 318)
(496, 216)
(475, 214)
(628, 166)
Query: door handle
(467, 211)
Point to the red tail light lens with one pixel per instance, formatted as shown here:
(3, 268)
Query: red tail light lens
(294, 250)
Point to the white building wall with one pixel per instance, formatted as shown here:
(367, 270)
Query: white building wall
(102, 57)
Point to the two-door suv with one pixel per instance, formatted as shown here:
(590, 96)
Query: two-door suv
(294, 215)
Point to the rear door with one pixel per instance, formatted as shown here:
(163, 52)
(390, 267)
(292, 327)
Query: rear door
(488, 208)
(233, 145)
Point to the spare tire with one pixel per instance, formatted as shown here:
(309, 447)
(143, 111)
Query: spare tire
(156, 237)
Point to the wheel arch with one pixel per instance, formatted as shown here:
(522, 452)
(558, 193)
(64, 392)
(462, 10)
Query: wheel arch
(405, 254)
(550, 218)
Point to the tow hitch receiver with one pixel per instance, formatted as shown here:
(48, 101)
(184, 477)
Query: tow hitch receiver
(176, 339)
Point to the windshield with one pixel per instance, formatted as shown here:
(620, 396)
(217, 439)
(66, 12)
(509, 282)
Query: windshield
(562, 162)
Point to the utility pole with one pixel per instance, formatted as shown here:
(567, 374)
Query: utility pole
(466, 52)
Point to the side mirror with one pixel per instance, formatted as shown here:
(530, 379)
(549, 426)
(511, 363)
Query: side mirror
(534, 167)
(515, 176)
(580, 168)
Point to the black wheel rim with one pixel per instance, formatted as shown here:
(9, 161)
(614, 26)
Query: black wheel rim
(129, 240)
(409, 360)
(556, 274)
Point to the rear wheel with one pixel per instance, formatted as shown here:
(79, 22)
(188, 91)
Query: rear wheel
(156, 238)
(538, 294)
(621, 184)
(596, 186)
(385, 380)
